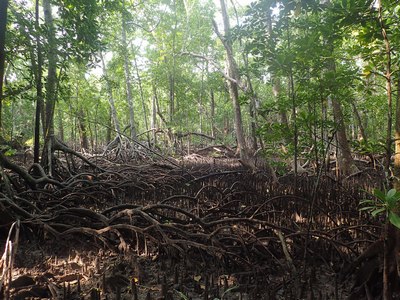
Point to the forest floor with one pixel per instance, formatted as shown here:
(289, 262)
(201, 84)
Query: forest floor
(201, 228)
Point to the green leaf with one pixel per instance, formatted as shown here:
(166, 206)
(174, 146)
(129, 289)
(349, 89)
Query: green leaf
(368, 208)
(182, 295)
(392, 202)
(377, 211)
(392, 197)
(379, 194)
(390, 194)
(365, 201)
(229, 290)
(394, 219)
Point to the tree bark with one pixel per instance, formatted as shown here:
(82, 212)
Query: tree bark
(39, 87)
(276, 81)
(50, 86)
(60, 125)
(360, 123)
(388, 74)
(345, 162)
(233, 73)
(109, 127)
(171, 80)
(139, 79)
(111, 98)
(252, 106)
(153, 124)
(84, 141)
(276, 91)
(3, 28)
(171, 76)
(212, 108)
(128, 79)
(344, 159)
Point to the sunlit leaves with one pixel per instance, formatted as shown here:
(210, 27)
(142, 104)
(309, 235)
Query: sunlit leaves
(387, 203)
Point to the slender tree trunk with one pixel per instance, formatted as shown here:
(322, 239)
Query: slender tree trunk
(60, 125)
(292, 97)
(142, 98)
(109, 127)
(345, 160)
(72, 126)
(171, 76)
(84, 141)
(50, 86)
(276, 91)
(276, 81)
(170, 136)
(111, 99)
(388, 74)
(396, 181)
(233, 73)
(91, 134)
(171, 80)
(154, 115)
(128, 80)
(201, 108)
(3, 29)
(360, 123)
(212, 107)
(39, 87)
(252, 106)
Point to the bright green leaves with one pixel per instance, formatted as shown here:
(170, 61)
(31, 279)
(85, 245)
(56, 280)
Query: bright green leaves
(387, 203)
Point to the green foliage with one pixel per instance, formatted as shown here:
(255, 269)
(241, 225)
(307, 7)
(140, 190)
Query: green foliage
(387, 203)
(301, 40)
(79, 20)
(7, 150)
(367, 148)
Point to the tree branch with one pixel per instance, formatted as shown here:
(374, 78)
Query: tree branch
(219, 69)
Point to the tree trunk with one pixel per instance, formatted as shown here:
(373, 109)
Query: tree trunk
(128, 80)
(153, 124)
(84, 141)
(171, 76)
(111, 99)
(50, 87)
(171, 96)
(3, 28)
(345, 160)
(142, 99)
(396, 170)
(60, 125)
(360, 123)
(252, 106)
(276, 81)
(276, 91)
(109, 126)
(170, 137)
(212, 107)
(388, 74)
(233, 74)
(39, 87)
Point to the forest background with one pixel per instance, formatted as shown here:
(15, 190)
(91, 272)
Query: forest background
(292, 78)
